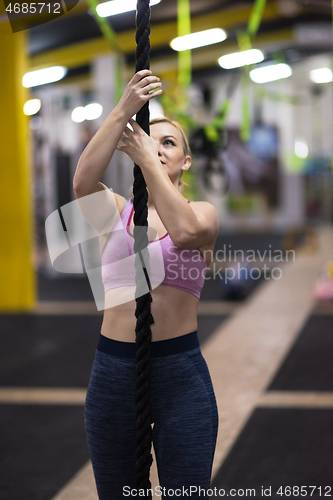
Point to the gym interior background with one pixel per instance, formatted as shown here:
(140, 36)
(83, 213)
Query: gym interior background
(262, 155)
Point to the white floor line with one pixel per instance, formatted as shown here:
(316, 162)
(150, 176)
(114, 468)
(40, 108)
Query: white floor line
(76, 397)
(290, 399)
(42, 395)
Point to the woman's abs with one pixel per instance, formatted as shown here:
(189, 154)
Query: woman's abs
(174, 312)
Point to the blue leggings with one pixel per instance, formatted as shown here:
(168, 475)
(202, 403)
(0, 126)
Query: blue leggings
(183, 411)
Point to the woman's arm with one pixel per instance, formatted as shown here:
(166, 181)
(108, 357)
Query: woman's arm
(188, 226)
(97, 155)
(100, 207)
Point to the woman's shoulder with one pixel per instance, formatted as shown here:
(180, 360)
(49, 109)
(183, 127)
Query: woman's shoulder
(208, 215)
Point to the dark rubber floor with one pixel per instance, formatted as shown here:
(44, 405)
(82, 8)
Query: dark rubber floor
(309, 364)
(42, 447)
(47, 351)
(63, 288)
(281, 448)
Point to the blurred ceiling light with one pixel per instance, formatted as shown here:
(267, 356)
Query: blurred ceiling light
(301, 148)
(155, 109)
(78, 114)
(93, 111)
(89, 112)
(32, 107)
(199, 39)
(270, 73)
(43, 76)
(118, 7)
(322, 75)
(238, 59)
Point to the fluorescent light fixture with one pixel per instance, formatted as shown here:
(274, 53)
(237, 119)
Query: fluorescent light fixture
(322, 75)
(93, 111)
(301, 148)
(119, 7)
(43, 76)
(32, 107)
(238, 59)
(89, 112)
(199, 39)
(78, 114)
(270, 73)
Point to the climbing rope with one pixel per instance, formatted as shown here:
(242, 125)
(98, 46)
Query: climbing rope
(143, 303)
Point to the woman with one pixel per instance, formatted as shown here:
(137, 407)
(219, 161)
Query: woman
(183, 406)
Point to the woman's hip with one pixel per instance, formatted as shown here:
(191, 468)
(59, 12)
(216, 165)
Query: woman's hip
(179, 376)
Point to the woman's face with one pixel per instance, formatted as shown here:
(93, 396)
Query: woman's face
(170, 149)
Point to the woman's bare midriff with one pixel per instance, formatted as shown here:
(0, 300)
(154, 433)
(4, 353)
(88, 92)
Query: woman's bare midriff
(174, 312)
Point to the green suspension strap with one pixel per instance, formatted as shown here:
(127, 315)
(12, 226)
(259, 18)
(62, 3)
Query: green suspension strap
(244, 42)
(245, 132)
(255, 18)
(184, 81)
(184, 56)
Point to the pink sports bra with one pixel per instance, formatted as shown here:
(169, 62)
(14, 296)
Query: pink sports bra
(183, 268)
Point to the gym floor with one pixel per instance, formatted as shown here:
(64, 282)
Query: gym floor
(270, 359)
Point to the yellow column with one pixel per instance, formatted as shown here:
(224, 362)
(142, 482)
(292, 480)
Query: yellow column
(17, 274)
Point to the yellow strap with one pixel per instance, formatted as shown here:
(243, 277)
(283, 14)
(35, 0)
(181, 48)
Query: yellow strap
(184, 56)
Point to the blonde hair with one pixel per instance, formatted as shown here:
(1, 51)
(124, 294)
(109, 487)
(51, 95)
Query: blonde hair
(186, 146)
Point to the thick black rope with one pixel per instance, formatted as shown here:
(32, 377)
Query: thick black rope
(143, 304)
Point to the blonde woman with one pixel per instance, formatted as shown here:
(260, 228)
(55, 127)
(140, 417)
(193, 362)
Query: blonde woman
(183, 406)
